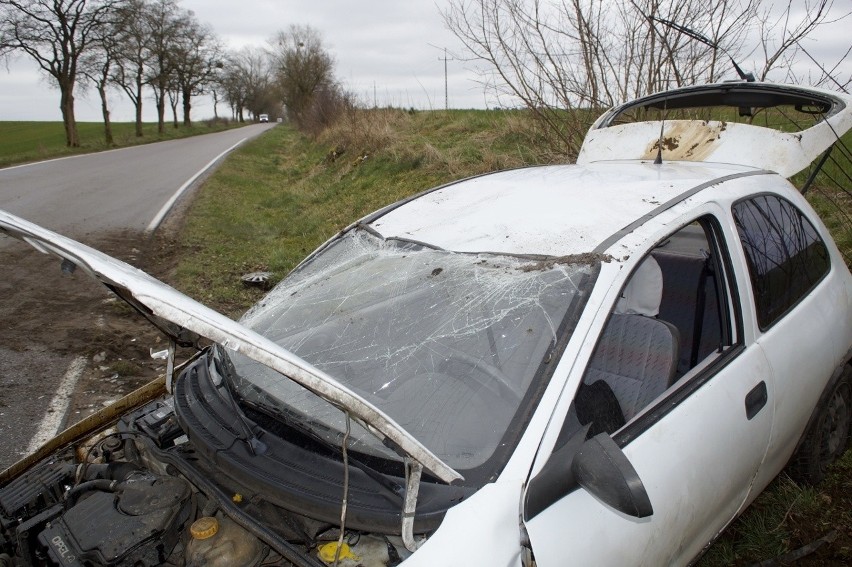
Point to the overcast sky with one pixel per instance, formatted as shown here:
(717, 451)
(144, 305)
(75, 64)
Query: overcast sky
(389, 49)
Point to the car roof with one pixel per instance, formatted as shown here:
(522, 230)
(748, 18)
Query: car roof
(556, 210)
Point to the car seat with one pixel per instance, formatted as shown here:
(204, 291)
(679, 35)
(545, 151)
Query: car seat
(637, 354)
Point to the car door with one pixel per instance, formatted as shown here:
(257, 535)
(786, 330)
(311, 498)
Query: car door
(799, 309)
(696, 447)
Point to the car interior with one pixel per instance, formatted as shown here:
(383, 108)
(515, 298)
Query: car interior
(671, 317)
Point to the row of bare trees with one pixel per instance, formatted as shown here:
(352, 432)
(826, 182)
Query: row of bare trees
(55, 34)
(552, 55)
(293, 73)
(155, 48)
(131, 45)
(558, 55)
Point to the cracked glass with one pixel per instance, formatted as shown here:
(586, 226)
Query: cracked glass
(451, 346)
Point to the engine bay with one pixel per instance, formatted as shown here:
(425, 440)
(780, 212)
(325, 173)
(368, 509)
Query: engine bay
(157, 488)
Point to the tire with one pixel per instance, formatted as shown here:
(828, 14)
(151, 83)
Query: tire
(828, 435)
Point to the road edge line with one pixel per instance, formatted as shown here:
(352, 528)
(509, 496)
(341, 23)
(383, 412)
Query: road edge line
(161, 215)
(55, 413)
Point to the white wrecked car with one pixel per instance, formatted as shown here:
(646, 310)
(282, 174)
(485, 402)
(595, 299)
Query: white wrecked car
(592, 364)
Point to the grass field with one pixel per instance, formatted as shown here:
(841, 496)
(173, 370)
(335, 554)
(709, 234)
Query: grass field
(22, 142)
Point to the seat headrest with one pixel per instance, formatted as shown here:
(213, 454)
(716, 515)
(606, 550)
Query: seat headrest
(644, 292)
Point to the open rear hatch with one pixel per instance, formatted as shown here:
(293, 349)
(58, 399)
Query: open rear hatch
(779, 128)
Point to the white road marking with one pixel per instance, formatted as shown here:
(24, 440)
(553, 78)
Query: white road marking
(58, 405)
(171, 202)
(75, 156)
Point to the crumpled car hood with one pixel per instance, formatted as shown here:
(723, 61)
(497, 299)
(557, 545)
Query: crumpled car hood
(184, 320)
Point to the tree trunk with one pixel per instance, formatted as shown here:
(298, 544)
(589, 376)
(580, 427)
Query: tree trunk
(138, 103)
(66, 106)
(160, 95)
(187, 106)
(173, 102)
(105, 111)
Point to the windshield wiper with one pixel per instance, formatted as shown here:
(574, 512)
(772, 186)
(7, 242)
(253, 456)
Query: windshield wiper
(253, 443)
(282, 416)
(220, 360)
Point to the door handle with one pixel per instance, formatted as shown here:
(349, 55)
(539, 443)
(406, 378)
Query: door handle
(756, 399)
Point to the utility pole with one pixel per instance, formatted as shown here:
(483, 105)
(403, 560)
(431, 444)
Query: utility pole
(446, 91)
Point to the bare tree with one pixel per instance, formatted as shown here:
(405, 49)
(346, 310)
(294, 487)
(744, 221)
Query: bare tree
(5, 42)
(229, 82)
(96, 66)
(165, 23)
(173, 94)
(196, 57)
(303, 67)
(565, 55)
(133, 53)
(260, 91)
(214, 94)
(829, 74)
(55, 34)
(783, 29)
(245, 82)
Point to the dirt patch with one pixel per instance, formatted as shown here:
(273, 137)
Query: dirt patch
(49, 318)
(691, 140)
(588, 258)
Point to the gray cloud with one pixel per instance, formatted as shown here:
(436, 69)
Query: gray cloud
(382, 48)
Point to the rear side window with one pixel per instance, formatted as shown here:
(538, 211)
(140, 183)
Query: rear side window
(785, 254)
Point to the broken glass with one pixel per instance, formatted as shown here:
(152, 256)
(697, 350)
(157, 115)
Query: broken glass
(448, 345)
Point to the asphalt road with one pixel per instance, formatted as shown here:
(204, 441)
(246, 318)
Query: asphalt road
(90, 198)
(118, 189)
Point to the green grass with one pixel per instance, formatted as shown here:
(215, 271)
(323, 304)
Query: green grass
(787, 517)
(834, 204)
(22, 142)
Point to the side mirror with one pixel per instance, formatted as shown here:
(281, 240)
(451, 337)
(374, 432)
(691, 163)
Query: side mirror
(602, 468)
(556, 478)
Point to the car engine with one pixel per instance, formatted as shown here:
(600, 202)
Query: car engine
(122, 499)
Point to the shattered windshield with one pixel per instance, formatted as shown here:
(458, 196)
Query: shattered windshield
(451, 346)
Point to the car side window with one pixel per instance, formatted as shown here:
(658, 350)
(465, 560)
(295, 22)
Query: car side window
(785, 255)
(675, 313)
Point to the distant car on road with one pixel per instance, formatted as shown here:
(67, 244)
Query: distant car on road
(591, 364)
(263, 118)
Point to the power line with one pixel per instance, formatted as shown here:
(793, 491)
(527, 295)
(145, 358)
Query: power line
(446, 88)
